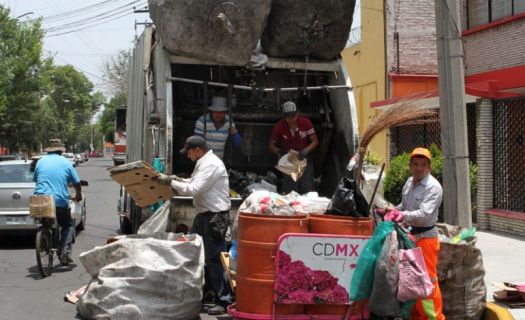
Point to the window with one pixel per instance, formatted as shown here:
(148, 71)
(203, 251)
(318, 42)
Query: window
(478, 13)
(519, 6)
(501, 9)
(16, 173)
(481, 12)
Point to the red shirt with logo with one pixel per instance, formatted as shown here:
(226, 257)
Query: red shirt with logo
(293, 139)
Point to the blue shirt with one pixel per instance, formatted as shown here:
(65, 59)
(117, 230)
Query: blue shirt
(52, 175)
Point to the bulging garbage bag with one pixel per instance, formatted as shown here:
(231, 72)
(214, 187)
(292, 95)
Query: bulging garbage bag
(155, 276)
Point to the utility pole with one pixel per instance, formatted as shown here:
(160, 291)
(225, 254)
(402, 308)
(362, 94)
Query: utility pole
(456, 181)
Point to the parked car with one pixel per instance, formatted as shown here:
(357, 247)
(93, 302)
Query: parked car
(7, 157)
(70, 157)
(119, 158)
(79, 158)
(85, 155)
(16, 186)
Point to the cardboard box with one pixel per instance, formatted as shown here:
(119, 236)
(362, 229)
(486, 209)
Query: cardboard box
(136, 177)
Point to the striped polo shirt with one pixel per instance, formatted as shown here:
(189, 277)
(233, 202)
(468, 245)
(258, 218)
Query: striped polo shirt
(215, 138)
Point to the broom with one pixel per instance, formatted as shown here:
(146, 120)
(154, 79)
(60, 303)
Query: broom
(404, 112)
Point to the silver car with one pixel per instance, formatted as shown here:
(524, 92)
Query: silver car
(16, 185)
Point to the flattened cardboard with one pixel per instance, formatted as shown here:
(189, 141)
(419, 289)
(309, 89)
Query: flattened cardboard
(136, 178)
(149, 192)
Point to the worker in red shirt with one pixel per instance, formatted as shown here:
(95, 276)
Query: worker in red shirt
(295, 132)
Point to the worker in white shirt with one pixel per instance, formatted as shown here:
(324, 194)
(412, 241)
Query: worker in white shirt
(209, 188)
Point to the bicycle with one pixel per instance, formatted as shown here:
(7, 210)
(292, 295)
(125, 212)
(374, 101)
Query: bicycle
(48, 244)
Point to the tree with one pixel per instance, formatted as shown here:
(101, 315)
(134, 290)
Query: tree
(116, 73)
(20, 83)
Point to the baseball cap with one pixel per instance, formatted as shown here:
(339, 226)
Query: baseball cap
(289, 108)
(193, 142)
(421, 152)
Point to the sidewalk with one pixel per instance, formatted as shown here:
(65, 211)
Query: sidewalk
(504, 260)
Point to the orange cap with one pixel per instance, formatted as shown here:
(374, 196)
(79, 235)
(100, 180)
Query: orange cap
(421, 152)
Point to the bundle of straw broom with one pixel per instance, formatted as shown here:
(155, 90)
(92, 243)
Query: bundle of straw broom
(405, 112)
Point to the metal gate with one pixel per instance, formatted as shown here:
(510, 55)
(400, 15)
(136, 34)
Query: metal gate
(406, 138)
(509, 154)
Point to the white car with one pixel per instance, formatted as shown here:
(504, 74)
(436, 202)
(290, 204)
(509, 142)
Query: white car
(16, 185)
(71, 158)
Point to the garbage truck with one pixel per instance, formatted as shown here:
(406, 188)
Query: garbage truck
(239, 50)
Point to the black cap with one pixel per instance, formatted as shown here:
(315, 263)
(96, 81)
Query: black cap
(194, 142)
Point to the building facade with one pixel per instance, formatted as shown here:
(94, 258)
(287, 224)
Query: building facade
(493, 34)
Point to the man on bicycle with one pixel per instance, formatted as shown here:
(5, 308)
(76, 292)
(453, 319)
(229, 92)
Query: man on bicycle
(52, 175)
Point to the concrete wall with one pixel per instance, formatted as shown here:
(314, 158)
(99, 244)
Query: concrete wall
(365, 63)
(415, 23)
(495, 48)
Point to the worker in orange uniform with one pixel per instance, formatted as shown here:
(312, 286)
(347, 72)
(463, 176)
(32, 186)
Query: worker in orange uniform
(421, 199)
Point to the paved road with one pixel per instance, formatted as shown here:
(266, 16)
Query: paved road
(23, 293)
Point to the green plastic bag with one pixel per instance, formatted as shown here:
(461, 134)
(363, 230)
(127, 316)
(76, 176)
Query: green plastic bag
(363, 278)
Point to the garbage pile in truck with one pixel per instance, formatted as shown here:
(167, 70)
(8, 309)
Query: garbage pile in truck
(228, 32)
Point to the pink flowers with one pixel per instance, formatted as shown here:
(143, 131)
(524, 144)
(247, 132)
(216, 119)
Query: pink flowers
(298, 284)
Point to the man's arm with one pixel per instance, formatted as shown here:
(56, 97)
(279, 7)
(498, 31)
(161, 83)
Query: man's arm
(272, 147)
(200, 182)
(78, 192)
(199, 126)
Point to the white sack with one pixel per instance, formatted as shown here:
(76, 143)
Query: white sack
(144, 277)
(158, 222)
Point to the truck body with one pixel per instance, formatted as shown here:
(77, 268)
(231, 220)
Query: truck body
(168, 92)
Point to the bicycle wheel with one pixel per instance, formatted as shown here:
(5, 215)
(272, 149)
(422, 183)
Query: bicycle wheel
(44, 252)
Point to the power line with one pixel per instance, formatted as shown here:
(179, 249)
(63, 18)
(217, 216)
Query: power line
(93, 18)
(87, 27)
(77, 12)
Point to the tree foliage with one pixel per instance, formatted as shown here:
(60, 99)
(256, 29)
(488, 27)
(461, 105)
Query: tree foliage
(39, 100)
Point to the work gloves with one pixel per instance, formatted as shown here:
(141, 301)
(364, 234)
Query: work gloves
(166, 180)
(395, 215)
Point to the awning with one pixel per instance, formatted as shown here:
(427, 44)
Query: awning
(499, 84)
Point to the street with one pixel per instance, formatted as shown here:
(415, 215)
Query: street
(23, 293)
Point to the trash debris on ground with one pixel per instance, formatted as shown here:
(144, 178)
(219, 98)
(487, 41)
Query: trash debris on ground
(155, 276)
(510, 294)
(73, 296)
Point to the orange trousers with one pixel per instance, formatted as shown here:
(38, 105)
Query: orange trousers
(430, 307)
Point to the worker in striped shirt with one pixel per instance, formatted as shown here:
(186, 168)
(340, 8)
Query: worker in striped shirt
(216, 126)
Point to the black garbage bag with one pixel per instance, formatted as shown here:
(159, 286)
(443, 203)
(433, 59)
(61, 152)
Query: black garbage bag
(348, 200)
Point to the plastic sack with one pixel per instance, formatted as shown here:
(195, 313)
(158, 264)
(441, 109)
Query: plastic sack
(293, 168)
(157, 276)
(158, 222)
(348, 200)
(363, 277)
(414, 281)
(383, 300)
(370, 175)
(461, 275)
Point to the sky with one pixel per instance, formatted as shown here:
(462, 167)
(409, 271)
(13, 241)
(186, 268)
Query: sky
(84, 33)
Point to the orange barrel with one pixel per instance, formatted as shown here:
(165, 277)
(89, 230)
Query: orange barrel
(327, 224)
(266, 228)
(255, 296)
(257, 237)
